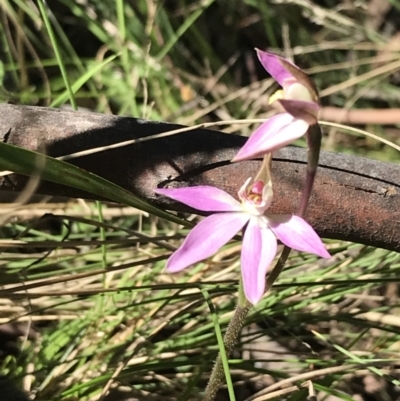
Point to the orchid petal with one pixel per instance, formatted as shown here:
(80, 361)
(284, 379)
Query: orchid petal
(205, 198)
(206, 238)
(258, 251)
(274, 66)
(296, 233)
(307, 111)
(275, 133)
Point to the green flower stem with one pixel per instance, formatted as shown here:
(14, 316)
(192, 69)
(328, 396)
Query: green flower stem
(314, 138)
(314, 147)
(231, 335)
(236, 325)
(276, 271)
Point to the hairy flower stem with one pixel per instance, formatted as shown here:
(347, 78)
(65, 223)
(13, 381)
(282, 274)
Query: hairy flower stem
(276, 271)
(236, 325)
(231, 335)
(314, 147)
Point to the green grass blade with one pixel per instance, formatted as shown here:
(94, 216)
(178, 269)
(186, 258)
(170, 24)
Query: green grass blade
(182, 29)
(57, 52)
(221, 345)
(81, 81)
(356, 359)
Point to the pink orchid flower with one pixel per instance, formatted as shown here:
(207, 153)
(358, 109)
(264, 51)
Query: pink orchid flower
(300, 101)
(259, 245)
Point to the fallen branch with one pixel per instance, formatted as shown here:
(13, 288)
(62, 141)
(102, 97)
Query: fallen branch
(354, 199)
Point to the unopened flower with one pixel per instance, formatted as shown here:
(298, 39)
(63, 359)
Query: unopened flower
(260, 231)
(299, 98)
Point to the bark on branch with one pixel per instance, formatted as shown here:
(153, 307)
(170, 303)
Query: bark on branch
(355, 199)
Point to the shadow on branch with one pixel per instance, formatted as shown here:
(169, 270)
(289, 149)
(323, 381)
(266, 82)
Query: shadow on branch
(354, 198)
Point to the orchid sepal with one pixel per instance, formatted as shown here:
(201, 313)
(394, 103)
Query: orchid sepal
(275, 133)
(287, 74)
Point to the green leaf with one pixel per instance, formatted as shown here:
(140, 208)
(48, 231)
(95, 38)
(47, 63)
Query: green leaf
(26, 162)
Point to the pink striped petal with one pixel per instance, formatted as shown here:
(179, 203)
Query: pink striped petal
(205, 198)
(206, 238)
(258, 251)
(274, 66)
(296, 233)
(275, 133)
